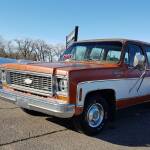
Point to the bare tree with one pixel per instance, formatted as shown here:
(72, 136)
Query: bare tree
(43, 51)
(25, 48)
(50, 53)
(11, 50)
(37, 50)
(58, 50)
(2, 48)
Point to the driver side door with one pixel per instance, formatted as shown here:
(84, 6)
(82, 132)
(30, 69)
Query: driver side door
(136, 87)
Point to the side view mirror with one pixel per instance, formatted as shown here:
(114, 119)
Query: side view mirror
(139, 62)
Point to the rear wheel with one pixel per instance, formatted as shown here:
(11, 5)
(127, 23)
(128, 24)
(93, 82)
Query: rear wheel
(94, 116)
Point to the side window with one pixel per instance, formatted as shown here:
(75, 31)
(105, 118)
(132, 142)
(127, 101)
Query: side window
(131, 51)
(148, 53)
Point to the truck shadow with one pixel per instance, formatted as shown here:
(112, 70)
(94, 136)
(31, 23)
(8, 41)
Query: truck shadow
(131, 128)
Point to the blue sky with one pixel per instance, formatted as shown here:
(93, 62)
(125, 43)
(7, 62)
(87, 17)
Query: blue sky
(51, 20)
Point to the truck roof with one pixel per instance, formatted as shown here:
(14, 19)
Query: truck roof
(113, 40)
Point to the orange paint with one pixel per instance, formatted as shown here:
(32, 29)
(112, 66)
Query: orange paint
(132, 101)
(78, 110)
(64, 98)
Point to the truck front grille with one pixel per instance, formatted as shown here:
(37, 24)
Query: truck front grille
(40, 83)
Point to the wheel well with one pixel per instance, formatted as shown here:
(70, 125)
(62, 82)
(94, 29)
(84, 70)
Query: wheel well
(109, 95)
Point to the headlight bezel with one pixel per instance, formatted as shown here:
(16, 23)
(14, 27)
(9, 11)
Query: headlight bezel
(3, 75)
(61, 89)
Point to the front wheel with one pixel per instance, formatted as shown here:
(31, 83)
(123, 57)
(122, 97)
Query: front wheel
(94, 116)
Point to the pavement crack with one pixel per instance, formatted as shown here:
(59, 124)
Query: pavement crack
(9, 108)
(32, 137)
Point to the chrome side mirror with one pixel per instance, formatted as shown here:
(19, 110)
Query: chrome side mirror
(139, 62)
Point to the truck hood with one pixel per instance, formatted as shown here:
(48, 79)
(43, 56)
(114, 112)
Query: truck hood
(58, 67)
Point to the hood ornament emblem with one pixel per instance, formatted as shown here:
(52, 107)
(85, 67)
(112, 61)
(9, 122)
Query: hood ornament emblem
(27, 81)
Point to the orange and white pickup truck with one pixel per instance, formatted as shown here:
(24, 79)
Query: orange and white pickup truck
(91, 82)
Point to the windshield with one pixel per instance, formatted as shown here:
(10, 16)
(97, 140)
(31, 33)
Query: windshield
(101, 51)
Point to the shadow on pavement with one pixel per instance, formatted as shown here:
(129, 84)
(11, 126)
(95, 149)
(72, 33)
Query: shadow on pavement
(67, 123)
(131, 128)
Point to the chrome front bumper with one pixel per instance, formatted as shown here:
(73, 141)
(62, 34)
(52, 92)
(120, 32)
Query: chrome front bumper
(51, 107)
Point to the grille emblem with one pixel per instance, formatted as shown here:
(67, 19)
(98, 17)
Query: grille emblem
(27, 81)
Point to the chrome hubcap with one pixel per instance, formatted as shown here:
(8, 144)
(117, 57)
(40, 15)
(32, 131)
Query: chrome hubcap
(95, 115)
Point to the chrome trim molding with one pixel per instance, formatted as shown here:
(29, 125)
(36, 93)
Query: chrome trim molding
(30, 90)
(51, 106)
(29, 72)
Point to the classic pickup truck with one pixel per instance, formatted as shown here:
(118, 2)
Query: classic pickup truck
(93, 79)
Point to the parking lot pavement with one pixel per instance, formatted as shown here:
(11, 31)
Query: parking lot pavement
(20, 131)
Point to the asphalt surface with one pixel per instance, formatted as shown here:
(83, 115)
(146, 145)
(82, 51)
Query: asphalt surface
(21, 131)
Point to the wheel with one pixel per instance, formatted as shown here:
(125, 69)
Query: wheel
(94, 116)
(32, 112)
